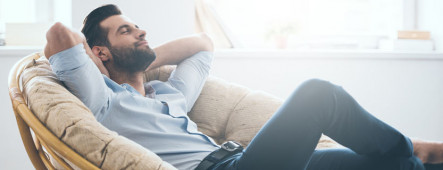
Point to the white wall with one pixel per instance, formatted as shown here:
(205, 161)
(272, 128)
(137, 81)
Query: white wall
(163, 20)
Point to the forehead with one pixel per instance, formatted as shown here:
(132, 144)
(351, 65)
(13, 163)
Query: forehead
(113, 22)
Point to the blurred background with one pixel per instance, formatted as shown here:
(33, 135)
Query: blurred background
(387, 53)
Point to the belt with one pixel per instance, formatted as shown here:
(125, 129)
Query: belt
(227, 149)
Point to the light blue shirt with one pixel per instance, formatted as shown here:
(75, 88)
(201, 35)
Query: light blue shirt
(158, 121)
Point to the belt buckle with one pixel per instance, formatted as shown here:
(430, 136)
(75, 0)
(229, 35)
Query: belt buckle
(231, 146)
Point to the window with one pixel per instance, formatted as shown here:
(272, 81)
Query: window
(17, 11)
(300, 24)
(31, 11)
(24, 22)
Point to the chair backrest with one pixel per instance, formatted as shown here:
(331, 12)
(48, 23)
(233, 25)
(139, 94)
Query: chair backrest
(38, 140)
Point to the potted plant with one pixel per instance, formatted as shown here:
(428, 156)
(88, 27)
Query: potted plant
(278, 32)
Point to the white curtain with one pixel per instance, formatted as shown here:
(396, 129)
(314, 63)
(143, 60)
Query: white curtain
(206, 20)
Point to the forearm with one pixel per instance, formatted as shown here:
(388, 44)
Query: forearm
(173, 52)
(190, 76)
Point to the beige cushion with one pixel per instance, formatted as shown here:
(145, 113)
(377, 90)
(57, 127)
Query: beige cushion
(224, 111)
(228, 111)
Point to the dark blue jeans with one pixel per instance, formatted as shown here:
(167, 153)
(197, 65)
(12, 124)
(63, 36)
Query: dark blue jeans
(289, 138)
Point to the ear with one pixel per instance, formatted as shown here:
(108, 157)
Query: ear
(101, 52)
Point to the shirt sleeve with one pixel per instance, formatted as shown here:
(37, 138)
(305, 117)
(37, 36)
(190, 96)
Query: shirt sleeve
(81, 77)
(190, 76)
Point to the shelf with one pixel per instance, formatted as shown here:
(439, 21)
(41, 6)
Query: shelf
(329, 54)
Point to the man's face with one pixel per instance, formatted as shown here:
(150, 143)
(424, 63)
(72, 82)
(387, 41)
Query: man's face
(129, 49)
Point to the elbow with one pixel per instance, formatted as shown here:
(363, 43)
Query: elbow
(208, 44)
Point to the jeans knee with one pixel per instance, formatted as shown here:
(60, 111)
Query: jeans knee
(314, 96)
(315, 88)
(315, 82)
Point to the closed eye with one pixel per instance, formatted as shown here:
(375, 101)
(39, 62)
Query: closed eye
(125, 31)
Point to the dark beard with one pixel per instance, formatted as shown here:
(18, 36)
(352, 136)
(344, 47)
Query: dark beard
(132, 60)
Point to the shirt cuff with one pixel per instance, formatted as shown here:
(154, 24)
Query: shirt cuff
(69, 59)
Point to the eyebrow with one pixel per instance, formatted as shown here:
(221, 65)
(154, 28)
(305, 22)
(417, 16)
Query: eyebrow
(124, 26)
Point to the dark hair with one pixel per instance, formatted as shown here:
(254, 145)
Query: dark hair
(95, 35)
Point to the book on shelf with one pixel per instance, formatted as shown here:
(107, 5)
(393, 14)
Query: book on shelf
(414, 34)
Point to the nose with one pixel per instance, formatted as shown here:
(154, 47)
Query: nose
(141, 34)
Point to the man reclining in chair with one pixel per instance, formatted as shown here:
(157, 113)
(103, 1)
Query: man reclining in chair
(153, 114)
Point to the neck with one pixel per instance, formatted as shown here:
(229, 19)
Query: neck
(133, 79)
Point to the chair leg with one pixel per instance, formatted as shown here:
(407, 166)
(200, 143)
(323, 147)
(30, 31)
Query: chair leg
(29, 143)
